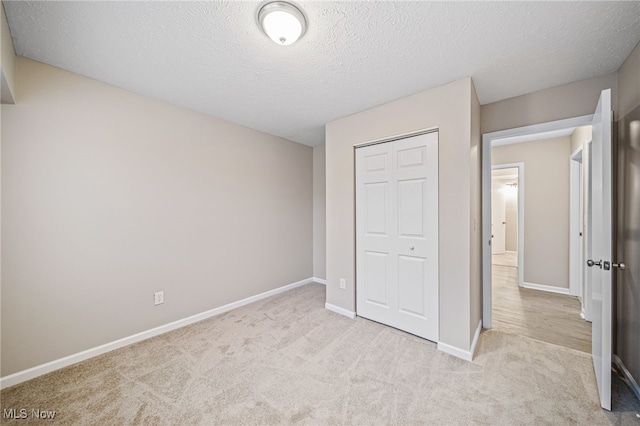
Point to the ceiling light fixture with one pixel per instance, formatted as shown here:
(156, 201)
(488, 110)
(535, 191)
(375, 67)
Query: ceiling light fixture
(283, 22)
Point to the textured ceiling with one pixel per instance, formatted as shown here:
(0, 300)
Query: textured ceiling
(211, 56)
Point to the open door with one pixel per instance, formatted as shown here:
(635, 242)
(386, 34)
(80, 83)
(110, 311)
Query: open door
(599, 252)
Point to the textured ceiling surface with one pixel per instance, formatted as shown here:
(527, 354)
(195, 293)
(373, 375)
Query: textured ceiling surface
(212, 57)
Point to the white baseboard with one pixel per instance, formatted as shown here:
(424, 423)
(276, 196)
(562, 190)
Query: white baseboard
(339, 310)
(455, 351)
(549, 288)
(22, 376)
(461, 353)
(627, 375)
(319, 280)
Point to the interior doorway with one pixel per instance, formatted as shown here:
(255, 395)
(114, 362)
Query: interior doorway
(528, 306)
(507, 199)
(510, 278)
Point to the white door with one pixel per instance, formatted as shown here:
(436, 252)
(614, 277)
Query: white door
(397, 234)
(498, 219)
(599, 253)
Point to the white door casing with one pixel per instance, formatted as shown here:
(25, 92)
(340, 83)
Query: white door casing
(397, 234)
(576, 231)
(600, 248)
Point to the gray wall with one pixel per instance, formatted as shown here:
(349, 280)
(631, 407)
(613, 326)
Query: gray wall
(319, 216)
(546, 207)
(453, 110)
(628, 217)
(109, 196)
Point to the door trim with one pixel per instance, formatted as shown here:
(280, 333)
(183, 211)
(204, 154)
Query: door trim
(576, 255)
(396, 137)
(503, 137)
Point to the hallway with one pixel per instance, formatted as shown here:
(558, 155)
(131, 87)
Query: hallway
(548, 317)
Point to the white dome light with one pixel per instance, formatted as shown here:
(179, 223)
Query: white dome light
(282, 22)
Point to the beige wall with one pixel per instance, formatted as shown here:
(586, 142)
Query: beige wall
(580, 136)
(557, 103)
(475, 220)
(451, 109)
(109, 196)
(546, 207)
(319, 217)
(7, 60)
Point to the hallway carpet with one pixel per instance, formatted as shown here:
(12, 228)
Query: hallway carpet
(286, 360)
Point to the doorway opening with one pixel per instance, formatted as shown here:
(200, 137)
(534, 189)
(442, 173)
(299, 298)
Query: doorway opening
(507, 221)
(517, 301)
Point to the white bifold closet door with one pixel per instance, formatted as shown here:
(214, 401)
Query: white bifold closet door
(397, 234)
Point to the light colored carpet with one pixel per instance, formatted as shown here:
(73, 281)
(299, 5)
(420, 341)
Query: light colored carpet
(288, 360)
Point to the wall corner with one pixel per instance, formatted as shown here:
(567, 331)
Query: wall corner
(7, 61)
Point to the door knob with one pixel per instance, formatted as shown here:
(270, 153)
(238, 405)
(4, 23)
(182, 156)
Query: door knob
(620, 266)
(411, 248)
(591, 263)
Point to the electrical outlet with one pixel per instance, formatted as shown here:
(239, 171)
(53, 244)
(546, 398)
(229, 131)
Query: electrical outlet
(158, 298)
(343, 283)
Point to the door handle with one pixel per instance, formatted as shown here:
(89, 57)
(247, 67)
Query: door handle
(620, 266)
(411, 248)
(607, 265)
(591, 263)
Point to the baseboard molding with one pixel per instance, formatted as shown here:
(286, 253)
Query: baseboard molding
(627, 375)
(339, 310)
(31, 373)
(455, 351)
(319, 281)
(549, 288)
(461, 353)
